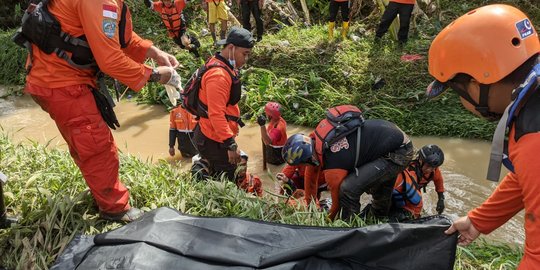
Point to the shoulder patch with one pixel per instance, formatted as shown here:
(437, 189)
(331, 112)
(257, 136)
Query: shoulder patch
(109, 27)
(524, 28)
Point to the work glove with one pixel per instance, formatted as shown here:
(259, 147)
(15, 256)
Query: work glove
(261, 120)
(440, 203)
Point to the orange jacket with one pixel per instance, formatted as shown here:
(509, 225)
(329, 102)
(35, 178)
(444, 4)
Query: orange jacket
(215, 92)
(89, 18)
(251, 184)
(518, 190)
(171, 15)
(437, 180)
(278, 132)
(411, 2)
(415, 210)
(182, 120)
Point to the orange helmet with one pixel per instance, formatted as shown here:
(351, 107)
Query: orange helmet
(487, 43)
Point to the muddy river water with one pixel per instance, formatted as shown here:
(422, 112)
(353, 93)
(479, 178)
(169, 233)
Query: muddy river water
(144, 133)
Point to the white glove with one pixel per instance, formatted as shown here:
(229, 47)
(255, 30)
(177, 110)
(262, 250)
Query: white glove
(175, 79)
(172, 85)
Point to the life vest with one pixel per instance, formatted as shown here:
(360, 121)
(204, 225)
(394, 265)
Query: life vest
(410, 191)
(340, 121)
(172, 18)
(190, 93)
(499, 146)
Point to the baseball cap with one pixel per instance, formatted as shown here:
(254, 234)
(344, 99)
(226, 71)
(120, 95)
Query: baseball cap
(238, 37)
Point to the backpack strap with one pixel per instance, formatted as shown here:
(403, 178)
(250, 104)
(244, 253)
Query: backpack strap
(204, 108)
(358, 134)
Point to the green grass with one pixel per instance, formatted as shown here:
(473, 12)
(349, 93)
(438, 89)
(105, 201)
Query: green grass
(47, 192)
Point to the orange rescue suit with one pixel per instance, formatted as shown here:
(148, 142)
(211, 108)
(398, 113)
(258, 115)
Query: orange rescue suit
(518, 190)
(215, 92)
(182, 120)
(171, 15)
(64, 91)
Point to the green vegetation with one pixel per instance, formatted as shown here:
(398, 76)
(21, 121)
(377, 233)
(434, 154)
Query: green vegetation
(46, 190)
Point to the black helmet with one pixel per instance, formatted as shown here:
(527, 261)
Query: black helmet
(432, 155)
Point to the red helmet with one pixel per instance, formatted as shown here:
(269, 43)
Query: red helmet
(273, 109)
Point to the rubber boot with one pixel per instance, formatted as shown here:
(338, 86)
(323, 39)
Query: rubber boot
(331, 26)
(345, 30)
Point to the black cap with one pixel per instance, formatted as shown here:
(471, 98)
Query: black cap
(238, 37)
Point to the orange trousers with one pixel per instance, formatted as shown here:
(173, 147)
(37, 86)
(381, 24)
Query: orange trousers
(90, 141)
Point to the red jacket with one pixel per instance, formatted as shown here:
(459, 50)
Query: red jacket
(277, 132)
(411, 2)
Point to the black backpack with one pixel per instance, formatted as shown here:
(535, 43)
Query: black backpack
(41, 28)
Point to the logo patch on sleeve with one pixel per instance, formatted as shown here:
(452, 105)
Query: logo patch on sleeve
(109, 27)
(109, 11)
(524, 28)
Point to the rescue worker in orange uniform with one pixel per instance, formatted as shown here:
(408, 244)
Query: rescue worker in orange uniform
(404, 9)
(291, 178)
(274, 135)
(173, 18)
(407, 199)
(246, 181)
(220, 93)
(181, 128)
(335, 5)
(384, 152)
(490, 57)
(66, 92)
(217, 11)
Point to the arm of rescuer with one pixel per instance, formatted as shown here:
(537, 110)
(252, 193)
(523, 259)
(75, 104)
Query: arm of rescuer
(107, 52)
(334, 177)
(439, 188)
(219, 81)
(510, 196)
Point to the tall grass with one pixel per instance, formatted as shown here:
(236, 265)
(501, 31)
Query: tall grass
(47, 192)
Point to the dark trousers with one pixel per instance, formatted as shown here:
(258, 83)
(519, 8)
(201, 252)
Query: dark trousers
(391, 12)
(216, 155)
(248, 8)
(335, 6)
(376, 178)
(273, 155)
(185, 144)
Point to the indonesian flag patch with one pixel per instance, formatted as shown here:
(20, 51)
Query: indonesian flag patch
(109, 11)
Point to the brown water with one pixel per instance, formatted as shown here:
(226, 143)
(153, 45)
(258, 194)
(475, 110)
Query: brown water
(144, 133)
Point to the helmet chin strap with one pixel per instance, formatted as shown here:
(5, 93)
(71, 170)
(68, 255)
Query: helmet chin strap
(481, 106)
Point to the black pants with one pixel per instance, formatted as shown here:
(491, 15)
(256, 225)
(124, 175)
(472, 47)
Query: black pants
(185, 144)
(335, 6)
(216, 155)
(273, 155)
(391, 12)
(376, 178)
(248, 8)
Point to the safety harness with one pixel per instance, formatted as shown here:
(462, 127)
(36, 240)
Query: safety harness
(41, 28)
(499, 145)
